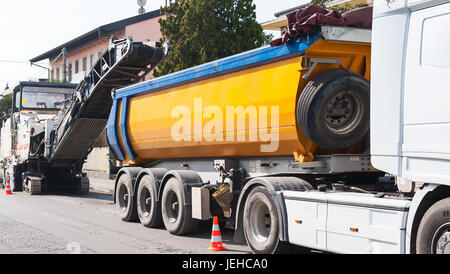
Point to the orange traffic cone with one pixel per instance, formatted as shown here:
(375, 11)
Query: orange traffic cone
(8, 188)
(216, 240)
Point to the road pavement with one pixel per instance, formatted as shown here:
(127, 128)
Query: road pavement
(64, 224)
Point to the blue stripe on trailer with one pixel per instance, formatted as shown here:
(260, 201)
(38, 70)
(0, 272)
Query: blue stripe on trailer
(113, 134)
(124, 129)
(227, 65)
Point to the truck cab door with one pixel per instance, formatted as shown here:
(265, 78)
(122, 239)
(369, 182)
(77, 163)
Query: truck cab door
(426, 113)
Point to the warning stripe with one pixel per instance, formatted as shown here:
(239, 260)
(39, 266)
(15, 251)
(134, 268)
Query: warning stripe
(22, 147)
(216, 239)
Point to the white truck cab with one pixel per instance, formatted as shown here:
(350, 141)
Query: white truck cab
(410, 140)
(410, 93)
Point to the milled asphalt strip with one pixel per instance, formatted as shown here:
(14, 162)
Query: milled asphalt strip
(18, 238)
(90, 223)
(59, 227)
(73, 230)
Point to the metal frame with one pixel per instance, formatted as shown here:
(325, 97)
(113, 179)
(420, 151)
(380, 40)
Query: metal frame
(311, 64)
(271, 166)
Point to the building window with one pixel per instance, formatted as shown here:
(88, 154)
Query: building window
(57, 74)
(77, 66)
(92, 60)
(100, 54)
(52, 78)
(84, 64)
(69, 76)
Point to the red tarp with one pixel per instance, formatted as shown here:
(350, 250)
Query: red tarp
(305, 21)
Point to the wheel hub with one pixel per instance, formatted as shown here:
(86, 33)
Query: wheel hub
(344, 113)
(172, 205)
(145, 202)
(123, 198)
(443, 245)
(261, 223)
(175, 206)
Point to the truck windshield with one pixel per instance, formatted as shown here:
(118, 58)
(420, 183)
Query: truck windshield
(45, 98)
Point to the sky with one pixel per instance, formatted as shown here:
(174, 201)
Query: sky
(29, 28)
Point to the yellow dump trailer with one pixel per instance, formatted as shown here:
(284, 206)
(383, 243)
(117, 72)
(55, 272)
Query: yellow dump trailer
(208, 141)
(225, 108)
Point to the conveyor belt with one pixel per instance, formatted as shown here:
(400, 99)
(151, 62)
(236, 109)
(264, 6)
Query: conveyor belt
(123, 64)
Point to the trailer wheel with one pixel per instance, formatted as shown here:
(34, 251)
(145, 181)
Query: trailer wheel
(261, 223)
(334, 109)
(149, 209)
(177, 217)
(433, 236)
(126, 202)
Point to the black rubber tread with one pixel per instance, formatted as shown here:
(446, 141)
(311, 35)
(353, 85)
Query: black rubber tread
(130, 215)
(82, 186)
(436, 216)
(34, 186)
(185, 224)
(306, 105)
(274, 245)
(155, 220)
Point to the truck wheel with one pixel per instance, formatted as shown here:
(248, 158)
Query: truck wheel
(34, 186)
(261, 223)
(433, 236)
(177, 218)
(126, 202)
(149, 209)
(82, 186)
(334, 109)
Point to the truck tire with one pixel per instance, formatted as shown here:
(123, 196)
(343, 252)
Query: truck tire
(261, 223)
(34, 186)
(177, 217)
(82, 186)
(433, 236)
(126, 201)
(334, 109)
(148, 206)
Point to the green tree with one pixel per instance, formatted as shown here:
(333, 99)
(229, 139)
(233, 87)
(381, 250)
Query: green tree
(5, 106)
(201, 31)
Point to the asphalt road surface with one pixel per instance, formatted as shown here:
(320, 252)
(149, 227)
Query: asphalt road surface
(65, 224)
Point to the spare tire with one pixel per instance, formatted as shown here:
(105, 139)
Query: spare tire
(334, 109)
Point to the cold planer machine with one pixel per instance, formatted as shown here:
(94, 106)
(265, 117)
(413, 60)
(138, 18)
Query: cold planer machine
(71, 132)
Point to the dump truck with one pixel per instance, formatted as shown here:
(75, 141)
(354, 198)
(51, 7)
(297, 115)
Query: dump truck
(276, 141)
(317, 143)
(197, 143)
(53, 126)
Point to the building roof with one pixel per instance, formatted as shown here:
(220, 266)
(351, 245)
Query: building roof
(96, 33)
(284, 12)
(281, 21)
